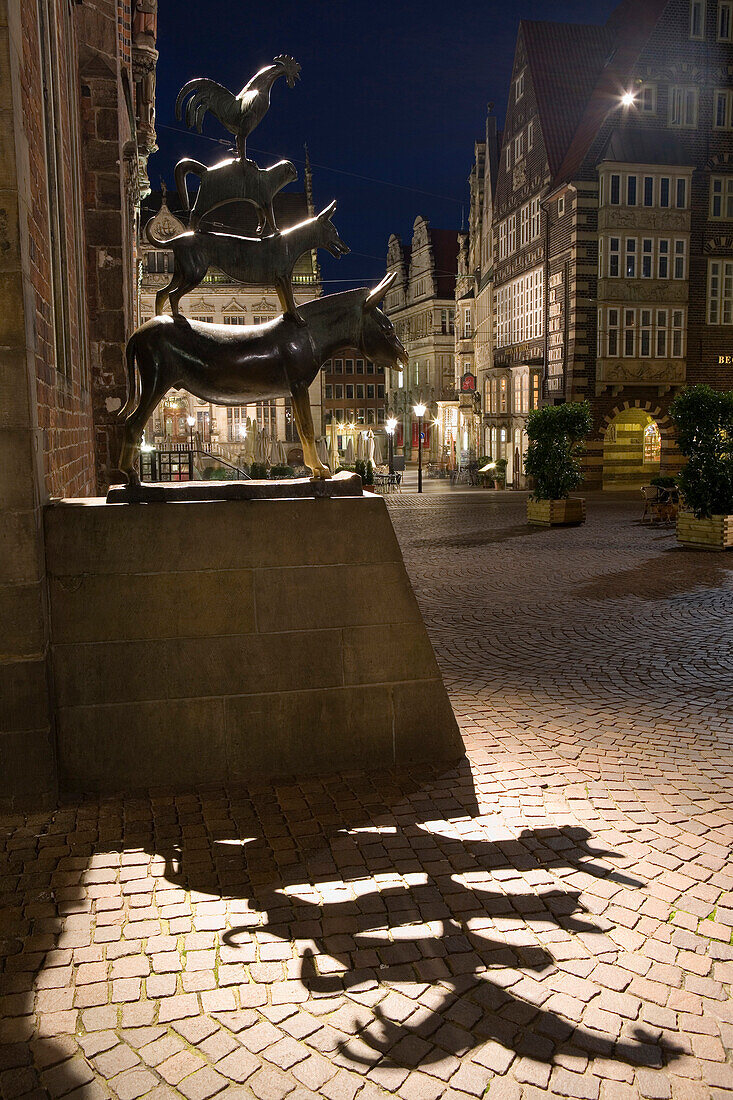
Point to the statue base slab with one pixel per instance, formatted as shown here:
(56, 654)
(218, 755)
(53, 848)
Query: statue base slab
(342, 485)
(234, 640)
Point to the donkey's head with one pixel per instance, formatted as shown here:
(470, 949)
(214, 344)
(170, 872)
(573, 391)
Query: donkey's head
(379, 341)
(327, 234)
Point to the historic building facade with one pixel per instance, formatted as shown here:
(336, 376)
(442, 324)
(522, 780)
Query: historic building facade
(421, 305)
(77, 127)
(612, 258)
(353, 397)
(217, 429)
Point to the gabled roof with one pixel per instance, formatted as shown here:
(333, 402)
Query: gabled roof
(647, 147)
(565, 60)
(630, 24)
(444, 243)
(291, 207)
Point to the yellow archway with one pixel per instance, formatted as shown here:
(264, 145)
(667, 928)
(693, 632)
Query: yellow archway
(632, 450)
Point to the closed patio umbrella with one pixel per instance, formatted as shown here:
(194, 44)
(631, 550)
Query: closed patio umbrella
(281, 456)
(334, 454)
(370, 446)
(361, 445)
(349, 453)
(377, 458)
(322, 451)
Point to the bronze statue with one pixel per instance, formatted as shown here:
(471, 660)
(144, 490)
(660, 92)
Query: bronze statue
(262, 260)
(237, 365)
(233, 180)
(238, 114)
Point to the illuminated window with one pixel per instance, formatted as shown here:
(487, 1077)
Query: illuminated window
(720, 292)
(652, 443)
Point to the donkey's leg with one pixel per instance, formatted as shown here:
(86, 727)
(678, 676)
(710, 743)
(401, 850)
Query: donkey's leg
(304, 424)
(163, 294)
(284, 290)
(154, 390)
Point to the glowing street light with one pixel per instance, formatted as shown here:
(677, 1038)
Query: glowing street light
(419, 411)
(391, 426)
(190, 420)
(628, 99)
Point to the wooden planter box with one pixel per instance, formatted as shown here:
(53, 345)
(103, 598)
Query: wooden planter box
(715, 533)
(556, 513)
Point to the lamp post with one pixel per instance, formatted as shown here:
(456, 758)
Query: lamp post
(419, 413)
(390, 427)
(190, 420)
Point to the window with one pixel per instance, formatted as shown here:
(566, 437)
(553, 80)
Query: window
(518, 309)
(329, 392)
(647, 258)
(646, 100)
(349, 393)
(645, 333)
(697, 19)
(444, 322)
(613, 331)
(663, 259)
(502, 240)
(652, 443)
(339, 392)
(236, 423)
(664, 191)
(502, 395)
(266, 416)
(519, 146)
(508, 156)
(677, 333)
(524, 226)
(615, 190)
(348, 366)
(359, 366)
(661, 333)
(519, 87)
(723, 113)
(370, 367)
(725, 20)
(535, 391)
(370, 391)
(159, 263)
(631, 190)
(681, 195)
(209, 319)
(601, 257)
(614, 268)
(360, 392)
(517, 396)
(400, 379)
(630, 267)
(511, 234)
(680, 249)
(466, 322)
(629, 332)
(721, 197)
(534, 210)
(338, 366)
(720, 292)
(235, 319)
(648, 190)
(682, 107)
(530, 135)
(561, 206)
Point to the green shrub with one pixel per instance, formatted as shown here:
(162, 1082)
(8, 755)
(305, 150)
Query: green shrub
(663, 481)
(500, 471)
(556, 440)
(282, 471)
(369, 479)
(258, 471)
(703, 418)
(218, 473)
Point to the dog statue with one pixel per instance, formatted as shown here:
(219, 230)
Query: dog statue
(241, 364)
(234, 180)
(266, 261)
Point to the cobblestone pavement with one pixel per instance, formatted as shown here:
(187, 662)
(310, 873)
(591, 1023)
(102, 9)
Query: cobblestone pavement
(551, 918)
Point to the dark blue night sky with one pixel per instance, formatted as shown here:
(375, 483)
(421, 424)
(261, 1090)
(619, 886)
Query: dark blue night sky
(394, 91)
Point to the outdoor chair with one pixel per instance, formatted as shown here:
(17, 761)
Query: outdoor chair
(650, 496)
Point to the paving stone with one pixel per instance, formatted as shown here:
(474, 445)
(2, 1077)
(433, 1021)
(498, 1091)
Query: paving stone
(202, 1084)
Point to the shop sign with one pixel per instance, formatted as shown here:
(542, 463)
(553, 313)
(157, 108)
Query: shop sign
(468, 383)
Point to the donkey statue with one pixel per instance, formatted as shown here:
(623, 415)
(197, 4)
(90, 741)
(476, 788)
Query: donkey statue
(233, 180)
(241, 364)
(266, 261)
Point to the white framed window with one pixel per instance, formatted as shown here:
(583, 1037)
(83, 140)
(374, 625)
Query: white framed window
(524, 226)
(519, 87)
(661, 334)
(534, 210)
(647, 258)
(663, 259)
(697, 18)
(511, 234)
(680, 259)
(629, 333)
(235, 319)
(645, 333)
(665, 186)
(466, 322)
(723, 109)
(519, 309)
(630, 264)
(678, 333)
(631, 190)
(508, 156)
(601, 257)
(721, 197)
(502, 240)
(615, 189)
(720, 292)
(519, 146)
(646, 100)
(561, 206)
(613, 331)
(681, 193)
(725, 20)
(648, 191)
(682, 107)
(530, 135)
(614, 257)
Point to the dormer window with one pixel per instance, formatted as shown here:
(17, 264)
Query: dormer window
(697, 19)
(725, 20)
(519, 87)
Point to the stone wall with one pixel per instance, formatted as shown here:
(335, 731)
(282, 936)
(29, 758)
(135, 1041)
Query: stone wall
(204, 642)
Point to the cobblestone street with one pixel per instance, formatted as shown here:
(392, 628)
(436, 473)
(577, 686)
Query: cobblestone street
(551, 918)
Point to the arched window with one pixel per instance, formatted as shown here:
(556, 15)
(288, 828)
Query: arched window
(652, 443)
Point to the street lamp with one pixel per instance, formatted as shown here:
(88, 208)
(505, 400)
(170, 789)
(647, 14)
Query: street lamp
(391, 426)
(419, 413)
(190, 420)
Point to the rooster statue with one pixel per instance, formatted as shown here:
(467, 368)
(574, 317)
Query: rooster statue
(239, 114)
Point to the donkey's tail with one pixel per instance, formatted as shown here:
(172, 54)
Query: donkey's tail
(132, 395)
(180, 172)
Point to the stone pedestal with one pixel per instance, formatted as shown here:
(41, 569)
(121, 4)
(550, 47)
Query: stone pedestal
(220, 641)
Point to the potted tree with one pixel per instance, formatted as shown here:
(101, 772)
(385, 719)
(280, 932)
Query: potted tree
(556, 440)
(703, 418)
